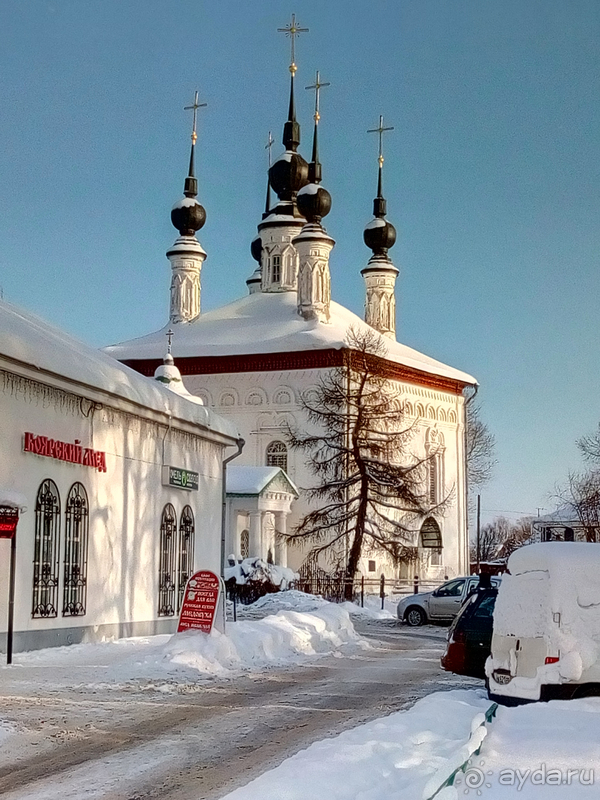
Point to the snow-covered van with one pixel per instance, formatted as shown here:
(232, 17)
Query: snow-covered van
(546, 640)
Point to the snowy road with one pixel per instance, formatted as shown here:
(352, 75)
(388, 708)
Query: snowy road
(200, 740)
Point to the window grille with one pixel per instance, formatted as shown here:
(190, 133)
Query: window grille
(76, 550)
(166, 570)
(276, 273)
(277, 455)
(245, 544)
(46, 551)
(185, 560)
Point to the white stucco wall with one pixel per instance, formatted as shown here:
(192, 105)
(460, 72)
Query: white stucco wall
(254, 402)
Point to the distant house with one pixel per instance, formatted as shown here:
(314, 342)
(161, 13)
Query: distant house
(561, 525)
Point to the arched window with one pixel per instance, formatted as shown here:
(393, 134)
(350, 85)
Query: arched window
(46, 551)
(245, 544)
(277, 455)
(185, 559)
(76, 550)
(166, 569)
(431, 536)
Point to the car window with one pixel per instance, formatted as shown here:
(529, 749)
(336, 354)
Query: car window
(485, 609)
(451, 589)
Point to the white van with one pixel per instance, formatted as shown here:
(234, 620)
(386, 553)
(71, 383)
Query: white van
(546, 639)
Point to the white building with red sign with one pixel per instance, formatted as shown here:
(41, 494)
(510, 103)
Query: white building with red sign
(109, 536)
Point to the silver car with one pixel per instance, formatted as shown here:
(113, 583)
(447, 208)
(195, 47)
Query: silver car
(441, 605)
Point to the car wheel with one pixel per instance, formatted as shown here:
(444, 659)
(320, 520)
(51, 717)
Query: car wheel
(415, 616)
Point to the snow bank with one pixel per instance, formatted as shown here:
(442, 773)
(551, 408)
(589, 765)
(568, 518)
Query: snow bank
(287, 637)
(259, 571)
(283, 639)
(290, 600)
(392, 757)
(540, 751)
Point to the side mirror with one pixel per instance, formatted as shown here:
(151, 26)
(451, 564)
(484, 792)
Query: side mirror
(435, 593)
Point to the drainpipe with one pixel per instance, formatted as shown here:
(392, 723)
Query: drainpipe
(240, 446)
(466, 403)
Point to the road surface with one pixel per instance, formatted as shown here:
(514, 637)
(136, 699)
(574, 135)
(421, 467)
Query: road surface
(138, 742)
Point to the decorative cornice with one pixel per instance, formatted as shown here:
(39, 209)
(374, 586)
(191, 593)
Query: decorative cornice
(304, 359)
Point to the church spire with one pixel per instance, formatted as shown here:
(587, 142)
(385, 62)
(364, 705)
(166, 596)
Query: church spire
(291, 129)
(188, 216)
(313, 243)
(380, 274)
(289, 173)
(186, 255)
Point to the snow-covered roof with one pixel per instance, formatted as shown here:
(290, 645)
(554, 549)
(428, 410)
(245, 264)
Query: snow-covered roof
(269, 323)
(565, 515)
(29, 340)
(254, 480)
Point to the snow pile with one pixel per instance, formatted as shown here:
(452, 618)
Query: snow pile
(540, 751)
(553, 592)
(371, 609)
(287, 637)
(280, 640)
(290, 600)
(256, 570)
(392, 757)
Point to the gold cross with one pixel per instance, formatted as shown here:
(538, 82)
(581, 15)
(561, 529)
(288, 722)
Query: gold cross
(170, 332)
(292, 30)
(380, 131)
(317, 86)
(268, 146)
(196, 105)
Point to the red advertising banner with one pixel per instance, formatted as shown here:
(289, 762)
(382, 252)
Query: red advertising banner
(200, 602)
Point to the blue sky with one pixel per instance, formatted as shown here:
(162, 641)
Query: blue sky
(492, 176)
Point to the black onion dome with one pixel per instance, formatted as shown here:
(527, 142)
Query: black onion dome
(256, 248)
(314, 202)
(288, 175)
(379, 236)
(188, 216)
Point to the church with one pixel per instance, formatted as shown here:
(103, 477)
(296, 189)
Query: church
(253, 359)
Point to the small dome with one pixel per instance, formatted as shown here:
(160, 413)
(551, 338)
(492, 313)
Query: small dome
(256, 248)
(288, 175)
(379, 235)
(188, 216)
(314, 202)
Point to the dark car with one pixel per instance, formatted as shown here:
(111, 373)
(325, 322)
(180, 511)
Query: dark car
(470, 635)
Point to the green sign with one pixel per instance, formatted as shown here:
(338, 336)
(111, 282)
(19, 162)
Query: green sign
(180, 478)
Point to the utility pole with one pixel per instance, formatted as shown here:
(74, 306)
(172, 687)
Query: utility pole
(478, 531)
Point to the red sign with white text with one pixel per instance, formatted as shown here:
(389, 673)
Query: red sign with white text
(200, 602)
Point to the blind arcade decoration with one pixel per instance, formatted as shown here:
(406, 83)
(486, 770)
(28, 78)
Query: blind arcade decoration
(200, 602)
(73, 452)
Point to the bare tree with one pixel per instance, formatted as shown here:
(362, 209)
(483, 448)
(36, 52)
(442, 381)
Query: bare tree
(371, 488)
(500, 538)
(582, 489)
(589, 446)
(582, 493)
(481, 444)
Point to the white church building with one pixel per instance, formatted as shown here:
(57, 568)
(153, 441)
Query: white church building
(253, 359)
